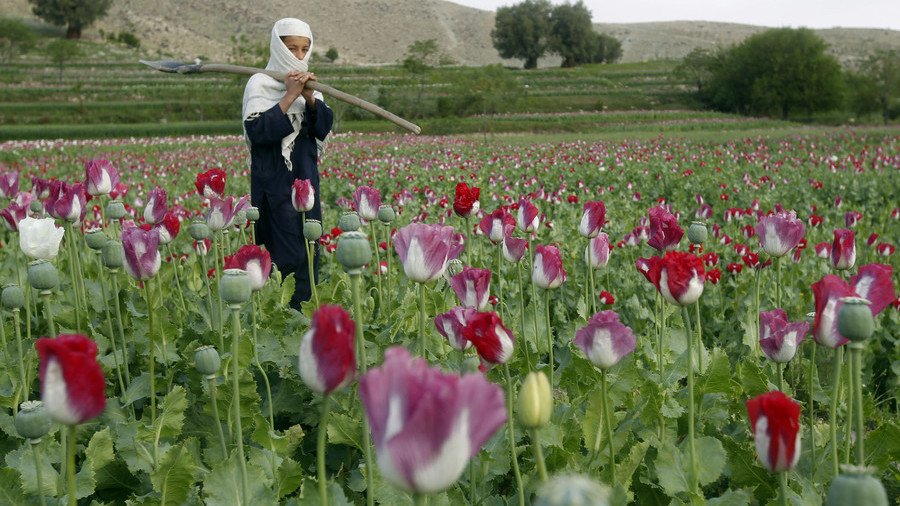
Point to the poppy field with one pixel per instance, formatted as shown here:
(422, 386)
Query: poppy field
(658, 321)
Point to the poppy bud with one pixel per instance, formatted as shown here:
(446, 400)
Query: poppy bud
(115, 210)
(855, 485)
(353, 249)
(42, 275)
(234, 287)
(571, 490)
(697, 232)
(95, 239)
(199, 230)
(112, 254)
(535, 401)
(470, 365)
(252, 213)
(855, 321)
(349, 222)
(454, 267)
(386, 214)
(312, 230)
(207, 361)
(13, 297)
(37, 206)
(32, 420)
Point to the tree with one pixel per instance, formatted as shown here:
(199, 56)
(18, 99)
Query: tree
(572, 33)
(607, 49)
(331, 54)
(421, 56)
(15, 38)
(522, 31)
(882, 71)
(61, 51)
(75, 15)
(776, 72)
(696, 67)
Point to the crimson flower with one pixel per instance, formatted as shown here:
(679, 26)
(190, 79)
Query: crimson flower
(168, 228)
(548, 270)
(497, 225)
(607, 298)
(425, 249)
(256, 261)
(779, 338)
(681, 277)
(142, 259)
(9, 184)
(473, 287)
(210, 183)
(327, 358)
(665, 233)
(593, 217)
(494, 342)
(72, 382)
(843, 249)
(778, 234)
(605, 340)
(527, 216)
(367, 200)
(775, 422)
(465, 202)
(100, 176)
(156, 207)
(451, 325)
(303, 196)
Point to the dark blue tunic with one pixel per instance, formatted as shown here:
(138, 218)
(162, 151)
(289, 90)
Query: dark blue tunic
(279, 227)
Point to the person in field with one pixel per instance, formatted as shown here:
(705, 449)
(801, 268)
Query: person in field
(285, 126)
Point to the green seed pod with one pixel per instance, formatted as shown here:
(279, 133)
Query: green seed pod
(697, 232)
(571, 490)
(112, 254)
(207, 360)
(349, 222)
(234, 287)
(535, 401)
(199, 230)
(386, 214)
(855, 320)
(13, 297)
(252, 213)
(37, 206)
(42, 275)
(312, 230)
(855, 485)
(115, 210)
(32, 420)
(353, 250)
(95, 239)
(470, 365)
(811, 317)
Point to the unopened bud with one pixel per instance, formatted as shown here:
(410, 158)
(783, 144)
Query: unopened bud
(855, 320)
(207, 360)
(535, 401)
(353, 250)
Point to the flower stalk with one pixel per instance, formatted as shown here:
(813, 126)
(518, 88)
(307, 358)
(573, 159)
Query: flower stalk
(690, 367)
(361, 359)
(511, 434)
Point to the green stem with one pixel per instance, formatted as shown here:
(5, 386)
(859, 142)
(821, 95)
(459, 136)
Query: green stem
(778, 282)
(70, 466)
(534, 299)
(387, 276)
(607, 416)
(320, 451)
(70, 255)
(756, 349)
(259, 366)
(835, 394)
(690, 366)
(213, 399)
(851, 393)
(120, 328)
(499, 281)
(205, 276)
(812, 414)
(511, 434)
(109, 331)
(549, 332)
(377, 260)
(422, 346)
(48, 312)
(539, 455)
(23, 377)
(660, 327)
(468, 248)
(592, 296)
(361, 347)
(220, 262)
(236, 385)
(418, 499)
(782, 482)
(856, 357)
(152, 365)
(37, 470)
(699, 337)
(780, 368)
(177, 279)
(525, 344)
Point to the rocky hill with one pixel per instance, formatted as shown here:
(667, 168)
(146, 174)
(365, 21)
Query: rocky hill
(379, 31)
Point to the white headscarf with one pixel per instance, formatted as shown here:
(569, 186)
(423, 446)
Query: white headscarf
(263, 92)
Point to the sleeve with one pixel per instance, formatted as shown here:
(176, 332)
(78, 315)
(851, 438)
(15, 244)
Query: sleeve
(268, 127)
(320, 120)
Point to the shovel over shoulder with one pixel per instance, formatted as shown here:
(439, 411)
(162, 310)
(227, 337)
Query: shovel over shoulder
(177, 67)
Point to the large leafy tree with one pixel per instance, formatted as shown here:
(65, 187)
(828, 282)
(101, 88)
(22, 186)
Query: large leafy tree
(877, 86)
(522, 31)
(777, 73)
(75, 15)
(572, 33)
(15, 38)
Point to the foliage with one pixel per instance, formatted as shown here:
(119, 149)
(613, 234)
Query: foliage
(15, 39)
(876, 86)
(331, 54)
(572, 33)
(61, 52)
(522, 31)
(778, 72)
(606, 49)
(75, 15)
(697, 67)
(253, 53)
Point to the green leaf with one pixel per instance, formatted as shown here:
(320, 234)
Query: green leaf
(171, 417)
(287, 290)
(10, 487)
(222, 487)
(718, 376)
(670, 469)
(138, 389)
(336, 497)
(99, 453)
(22, 461)
(753, 379)
(883, 445)
(710, 459)
(592, 421)
(626, 467)
(741, 497)
(175, 475)
(343, 429)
